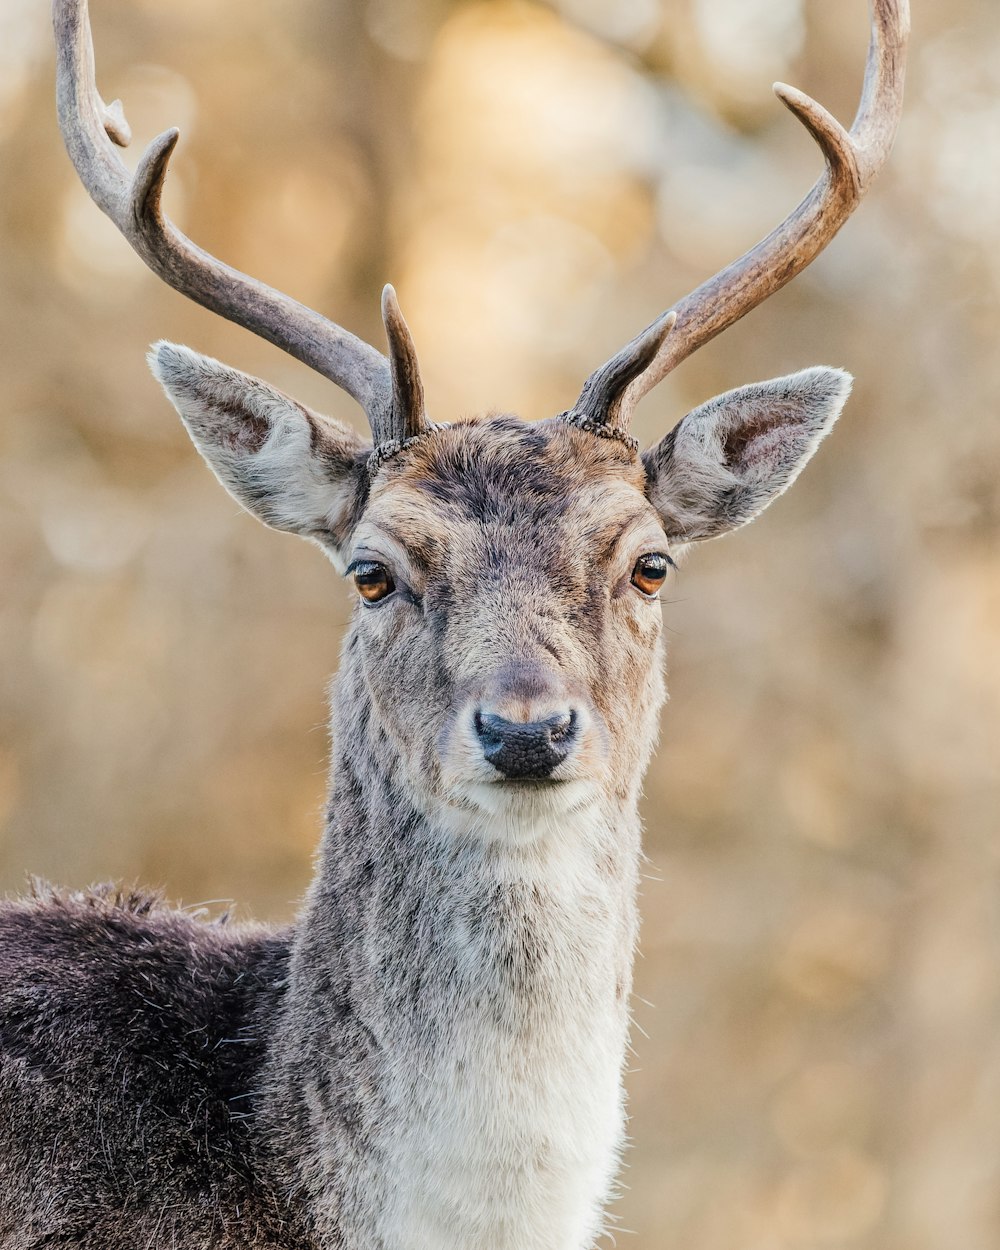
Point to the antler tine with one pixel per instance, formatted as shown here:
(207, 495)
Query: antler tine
(853, 159)
(90, 128)
(602, 404)
(408, 416)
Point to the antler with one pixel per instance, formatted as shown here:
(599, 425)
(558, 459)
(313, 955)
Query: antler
(853, 158)
(391, 395)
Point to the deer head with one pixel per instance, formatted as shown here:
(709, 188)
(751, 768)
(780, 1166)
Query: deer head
(507, 632)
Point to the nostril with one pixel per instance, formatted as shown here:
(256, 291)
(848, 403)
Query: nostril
(490, 728)
(562, 728)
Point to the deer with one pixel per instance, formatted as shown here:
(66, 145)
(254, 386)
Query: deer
(431, 1056)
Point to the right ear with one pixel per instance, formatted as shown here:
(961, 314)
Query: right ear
(290, 467)
(727, 460)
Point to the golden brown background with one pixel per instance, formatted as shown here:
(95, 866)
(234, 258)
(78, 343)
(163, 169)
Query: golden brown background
(818, 1066)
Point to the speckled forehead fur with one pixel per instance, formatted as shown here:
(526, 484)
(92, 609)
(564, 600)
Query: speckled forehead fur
(480, 499)
(520, 541)
(492, 464)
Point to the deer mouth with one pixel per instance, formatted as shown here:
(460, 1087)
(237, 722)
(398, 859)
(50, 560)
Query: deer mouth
(530, 785)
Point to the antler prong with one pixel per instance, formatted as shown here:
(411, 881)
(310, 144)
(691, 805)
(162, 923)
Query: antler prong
(146, 186)
(408, 414)
(834, 140)
(115, 126)
(603, 400)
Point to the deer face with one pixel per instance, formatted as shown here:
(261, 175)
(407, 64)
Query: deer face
(512, 649)
(506, 637)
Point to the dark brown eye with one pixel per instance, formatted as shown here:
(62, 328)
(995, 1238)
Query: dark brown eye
(373, 581)
(650, 573)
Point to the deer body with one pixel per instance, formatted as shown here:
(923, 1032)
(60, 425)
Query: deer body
(481, 958)
(431, 1058)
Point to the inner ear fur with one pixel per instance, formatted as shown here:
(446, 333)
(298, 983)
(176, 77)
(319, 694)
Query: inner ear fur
(728, 459)
(292, 468)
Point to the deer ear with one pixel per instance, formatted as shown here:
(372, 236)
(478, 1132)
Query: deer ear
(725, 462)
(290, 467)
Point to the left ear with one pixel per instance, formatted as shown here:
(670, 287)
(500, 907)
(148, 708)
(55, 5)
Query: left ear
(292, 468)
(727, 460)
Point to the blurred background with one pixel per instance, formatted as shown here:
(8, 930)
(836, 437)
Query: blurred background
(817, 1052)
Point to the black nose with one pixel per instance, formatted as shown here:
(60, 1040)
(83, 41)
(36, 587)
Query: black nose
(526, 751)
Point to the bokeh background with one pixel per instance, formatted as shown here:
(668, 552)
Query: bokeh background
(817, 1052)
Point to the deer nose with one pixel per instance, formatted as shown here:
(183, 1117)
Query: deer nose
(526, 750)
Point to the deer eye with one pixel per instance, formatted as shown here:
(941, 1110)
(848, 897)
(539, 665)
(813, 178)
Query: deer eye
(650, 573)
(374, 582)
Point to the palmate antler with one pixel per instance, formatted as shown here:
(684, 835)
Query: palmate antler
(388, 390)
(853, 159)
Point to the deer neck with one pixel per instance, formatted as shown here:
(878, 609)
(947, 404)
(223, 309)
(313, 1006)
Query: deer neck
(457, 1017)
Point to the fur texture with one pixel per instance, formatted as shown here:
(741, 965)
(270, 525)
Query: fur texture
(431, 1059)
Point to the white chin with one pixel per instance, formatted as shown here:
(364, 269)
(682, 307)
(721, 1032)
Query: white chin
(516, 812)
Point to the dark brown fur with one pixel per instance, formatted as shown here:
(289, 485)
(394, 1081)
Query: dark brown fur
(135, 1026)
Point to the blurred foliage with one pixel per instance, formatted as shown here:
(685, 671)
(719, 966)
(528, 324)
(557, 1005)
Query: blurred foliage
(820, 1065)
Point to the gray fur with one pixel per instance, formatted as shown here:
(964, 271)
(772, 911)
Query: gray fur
(431, 1058)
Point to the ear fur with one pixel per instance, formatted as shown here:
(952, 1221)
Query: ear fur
(289, 466)
(727, 460)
